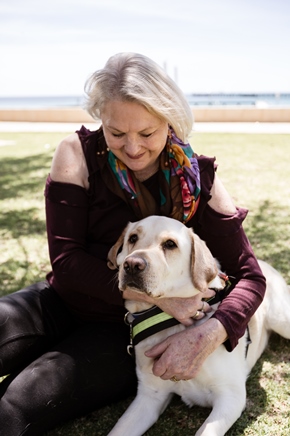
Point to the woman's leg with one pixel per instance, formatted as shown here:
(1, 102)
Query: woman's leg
(31, 320)
(87, 370)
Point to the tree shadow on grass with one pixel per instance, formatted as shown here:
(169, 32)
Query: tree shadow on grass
(24, 222)
(29, 265)
(269, 232)
(23, 176)
(22, 182)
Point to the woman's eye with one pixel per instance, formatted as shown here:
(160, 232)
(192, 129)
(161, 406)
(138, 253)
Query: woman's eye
(147, 135)
(133, 239)
(169, 244)
(117, 135)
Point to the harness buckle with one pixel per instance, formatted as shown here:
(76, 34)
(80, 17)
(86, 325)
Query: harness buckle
(128, 321)
(130, 350)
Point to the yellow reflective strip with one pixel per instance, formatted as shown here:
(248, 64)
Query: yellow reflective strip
(156, 319)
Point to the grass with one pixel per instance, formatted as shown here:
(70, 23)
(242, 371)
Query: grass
(255, 170)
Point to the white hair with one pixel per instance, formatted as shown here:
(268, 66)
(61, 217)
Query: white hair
(135, 77)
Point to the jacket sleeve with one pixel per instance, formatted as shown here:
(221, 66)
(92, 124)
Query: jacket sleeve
(78, 267)
(226, 239)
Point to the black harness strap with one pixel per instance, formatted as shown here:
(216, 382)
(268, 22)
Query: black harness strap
(151, 321)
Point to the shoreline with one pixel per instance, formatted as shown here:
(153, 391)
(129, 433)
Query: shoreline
(202, 114)
(199, 127)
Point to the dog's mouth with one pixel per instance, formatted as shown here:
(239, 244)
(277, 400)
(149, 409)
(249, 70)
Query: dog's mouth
(139, 288)
(130, 285)
(133, 285)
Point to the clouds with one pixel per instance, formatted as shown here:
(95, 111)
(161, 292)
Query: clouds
(50, 47)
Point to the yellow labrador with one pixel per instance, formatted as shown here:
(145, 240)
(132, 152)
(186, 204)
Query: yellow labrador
(162, 257)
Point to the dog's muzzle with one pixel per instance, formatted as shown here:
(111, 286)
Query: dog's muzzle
(132, 273)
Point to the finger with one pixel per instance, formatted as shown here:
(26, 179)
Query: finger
(157, 350)
(205, 308)
(187, 322)
(172, 377)
(208, 294)
(198, 315)
(159, 366)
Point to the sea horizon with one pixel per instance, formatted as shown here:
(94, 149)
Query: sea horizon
(268, 99)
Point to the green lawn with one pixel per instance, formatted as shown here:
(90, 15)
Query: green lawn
(255, 170)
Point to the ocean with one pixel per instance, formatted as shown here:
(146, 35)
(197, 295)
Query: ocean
(197, 99)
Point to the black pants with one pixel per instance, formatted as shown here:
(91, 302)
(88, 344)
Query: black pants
(58, 368)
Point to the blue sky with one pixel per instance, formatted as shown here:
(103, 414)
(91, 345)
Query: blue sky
(49, 47)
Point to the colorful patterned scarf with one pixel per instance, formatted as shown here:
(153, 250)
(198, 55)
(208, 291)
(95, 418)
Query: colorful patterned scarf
(179, 194)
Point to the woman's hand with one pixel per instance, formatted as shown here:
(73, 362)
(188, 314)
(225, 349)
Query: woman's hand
(185, 310)
(182, 355)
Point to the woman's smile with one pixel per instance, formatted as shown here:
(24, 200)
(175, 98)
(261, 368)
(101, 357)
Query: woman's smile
(134, 135)
(137, 156)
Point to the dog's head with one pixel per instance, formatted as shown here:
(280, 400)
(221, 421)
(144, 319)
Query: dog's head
(163, 258)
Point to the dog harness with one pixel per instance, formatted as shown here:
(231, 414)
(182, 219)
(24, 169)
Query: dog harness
(148, 322)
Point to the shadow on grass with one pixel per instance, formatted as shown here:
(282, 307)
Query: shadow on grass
(29, 265)
(18, 274)
(22, 223)
(22, 177)
(268, 230)
(22, 182)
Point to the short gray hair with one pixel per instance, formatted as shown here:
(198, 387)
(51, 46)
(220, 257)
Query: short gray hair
(135, 77)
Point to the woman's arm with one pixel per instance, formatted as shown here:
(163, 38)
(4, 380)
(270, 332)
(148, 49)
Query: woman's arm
(77, 266)
(232, 249)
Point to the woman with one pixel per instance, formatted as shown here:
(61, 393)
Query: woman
(63, 341)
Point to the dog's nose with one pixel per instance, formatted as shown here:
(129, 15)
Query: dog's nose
(135, 265)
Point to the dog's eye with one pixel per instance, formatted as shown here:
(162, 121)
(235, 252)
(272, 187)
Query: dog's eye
(133, 239)
(169, 244)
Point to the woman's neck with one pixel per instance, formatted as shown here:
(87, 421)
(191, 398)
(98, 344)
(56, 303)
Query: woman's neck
(147, 172)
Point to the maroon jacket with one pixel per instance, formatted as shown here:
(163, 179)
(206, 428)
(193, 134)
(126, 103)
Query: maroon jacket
(83, 225)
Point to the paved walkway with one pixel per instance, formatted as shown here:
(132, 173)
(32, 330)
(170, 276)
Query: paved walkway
(198, 127)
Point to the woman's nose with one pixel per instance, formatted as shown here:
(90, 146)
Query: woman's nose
(132, 145)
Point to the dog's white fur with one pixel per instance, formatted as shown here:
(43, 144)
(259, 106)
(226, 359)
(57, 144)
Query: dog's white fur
(168, 260)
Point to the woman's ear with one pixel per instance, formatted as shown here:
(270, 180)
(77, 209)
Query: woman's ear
(114, 251)
(203, 264)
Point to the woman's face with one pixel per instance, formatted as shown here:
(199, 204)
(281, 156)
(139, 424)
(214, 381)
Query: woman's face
(135, 136)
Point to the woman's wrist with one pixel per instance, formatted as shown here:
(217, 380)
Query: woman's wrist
(216, 331)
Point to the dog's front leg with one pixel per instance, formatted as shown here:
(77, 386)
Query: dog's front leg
(227, 408)
(143, 412)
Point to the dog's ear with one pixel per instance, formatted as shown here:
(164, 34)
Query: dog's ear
(203, 265)
(113, 252)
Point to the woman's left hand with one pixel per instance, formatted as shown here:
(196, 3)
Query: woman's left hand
(181, 355)
(185, 310)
